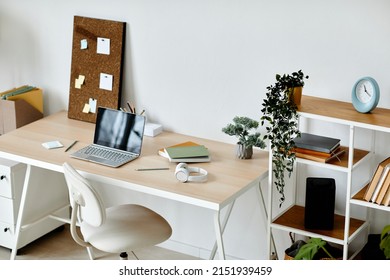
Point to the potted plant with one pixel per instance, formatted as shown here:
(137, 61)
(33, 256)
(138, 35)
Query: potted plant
(384, 244)
(281, 119)
(315, 248)
(244, 129)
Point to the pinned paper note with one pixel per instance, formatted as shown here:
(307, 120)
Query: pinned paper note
(82, 79)
(92, 105)
(79, 81)
(86, 108)
(105, 81)
(103, 46)
(84, 44)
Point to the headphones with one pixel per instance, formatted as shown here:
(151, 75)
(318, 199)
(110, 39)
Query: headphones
(182, 173)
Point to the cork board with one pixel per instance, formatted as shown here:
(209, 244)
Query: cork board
(96, 70)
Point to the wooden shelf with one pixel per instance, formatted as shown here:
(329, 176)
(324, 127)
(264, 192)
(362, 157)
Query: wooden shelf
(358, 200)
(360, 194)
(344, 112)
(342, 161)
(295, 216)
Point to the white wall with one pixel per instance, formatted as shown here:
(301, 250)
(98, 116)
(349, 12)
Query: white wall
(195, 64)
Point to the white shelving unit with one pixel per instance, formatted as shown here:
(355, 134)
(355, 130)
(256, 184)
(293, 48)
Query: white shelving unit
(346, 228)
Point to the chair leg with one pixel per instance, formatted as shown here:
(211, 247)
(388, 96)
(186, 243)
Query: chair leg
(90, 253)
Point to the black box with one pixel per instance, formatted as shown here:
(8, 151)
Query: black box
(320, 203)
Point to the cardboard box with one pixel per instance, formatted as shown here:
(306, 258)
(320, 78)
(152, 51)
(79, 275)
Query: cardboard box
(16, 111)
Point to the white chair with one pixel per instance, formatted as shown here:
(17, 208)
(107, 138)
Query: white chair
(118, 229)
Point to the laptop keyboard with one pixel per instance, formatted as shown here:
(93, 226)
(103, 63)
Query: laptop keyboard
(107, 154)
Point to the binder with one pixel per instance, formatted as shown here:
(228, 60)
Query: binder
(33, 97)
(20, 106)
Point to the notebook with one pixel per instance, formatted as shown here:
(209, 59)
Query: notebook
(117, 139)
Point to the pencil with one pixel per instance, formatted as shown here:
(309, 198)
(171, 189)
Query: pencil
(149, 169)
(70, 146)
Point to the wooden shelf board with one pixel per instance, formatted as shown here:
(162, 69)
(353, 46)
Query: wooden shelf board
(342, 160)
(294, 218)
(358, 197)
(345, 111)
(360, 194)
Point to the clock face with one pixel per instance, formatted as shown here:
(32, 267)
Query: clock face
(365, 95)
(364, 91)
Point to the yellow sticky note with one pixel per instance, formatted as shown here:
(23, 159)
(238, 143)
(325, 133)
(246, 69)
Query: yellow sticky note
(81, 79)
(77, 84)
(86, 108)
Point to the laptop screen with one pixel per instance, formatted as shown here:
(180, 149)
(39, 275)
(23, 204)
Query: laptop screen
(120, 130)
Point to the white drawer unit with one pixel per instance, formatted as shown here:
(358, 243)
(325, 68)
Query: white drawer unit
(48, 193)
(11, 184)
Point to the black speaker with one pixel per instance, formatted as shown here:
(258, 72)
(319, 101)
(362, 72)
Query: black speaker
(319, 204)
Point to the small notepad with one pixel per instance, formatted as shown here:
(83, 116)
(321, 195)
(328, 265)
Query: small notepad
(52, 144)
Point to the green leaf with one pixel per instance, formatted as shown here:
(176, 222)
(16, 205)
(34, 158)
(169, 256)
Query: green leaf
(244, 129)
(385, 241)
(308, 251)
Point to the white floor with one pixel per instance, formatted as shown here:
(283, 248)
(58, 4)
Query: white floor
(59, 245)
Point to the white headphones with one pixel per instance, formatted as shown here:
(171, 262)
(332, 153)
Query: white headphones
(182, 173)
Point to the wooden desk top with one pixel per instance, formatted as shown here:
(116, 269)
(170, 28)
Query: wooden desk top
(228, 177)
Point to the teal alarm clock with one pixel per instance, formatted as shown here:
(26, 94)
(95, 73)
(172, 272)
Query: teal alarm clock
(365, 95)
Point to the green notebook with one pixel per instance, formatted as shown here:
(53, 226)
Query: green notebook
(187, 152)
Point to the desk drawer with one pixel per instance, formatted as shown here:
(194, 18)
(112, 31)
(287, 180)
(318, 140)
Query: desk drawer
(11, 178)
(5, 181)
(8, 210)
(7, 235)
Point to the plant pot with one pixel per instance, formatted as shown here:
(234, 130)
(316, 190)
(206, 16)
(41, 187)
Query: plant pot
(244, 152)
(296, 95)
(290, 252)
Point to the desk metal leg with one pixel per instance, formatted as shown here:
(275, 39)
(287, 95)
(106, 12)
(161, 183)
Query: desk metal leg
(220, 230)
(21, 212)
(44, 206)
(270, 239)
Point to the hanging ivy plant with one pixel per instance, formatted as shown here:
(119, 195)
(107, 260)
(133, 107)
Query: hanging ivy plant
(280, 118)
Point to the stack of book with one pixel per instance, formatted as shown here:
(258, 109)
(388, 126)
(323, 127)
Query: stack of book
(378, 190)
(186, 152)
(318, 148)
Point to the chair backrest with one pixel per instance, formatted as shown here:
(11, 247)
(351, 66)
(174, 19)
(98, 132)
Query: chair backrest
(81, 192)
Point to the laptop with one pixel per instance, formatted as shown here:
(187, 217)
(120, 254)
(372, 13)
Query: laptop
(117, 139)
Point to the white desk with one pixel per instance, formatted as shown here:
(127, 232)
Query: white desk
(228, 177)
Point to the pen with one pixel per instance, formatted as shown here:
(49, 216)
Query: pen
(71, 145)
(131, 108)
(149, 169)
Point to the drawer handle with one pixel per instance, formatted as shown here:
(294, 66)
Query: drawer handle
(6, 229)
(2, 177)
